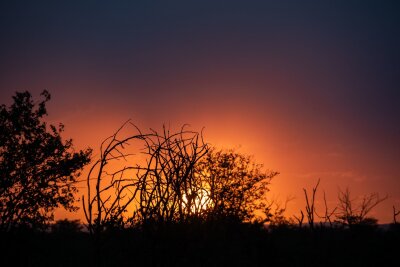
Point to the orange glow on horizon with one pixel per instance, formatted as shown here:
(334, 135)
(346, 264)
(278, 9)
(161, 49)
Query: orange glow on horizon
(270, 144)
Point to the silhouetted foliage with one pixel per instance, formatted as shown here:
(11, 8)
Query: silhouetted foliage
(235, 185)
(186, 203)
(38, 169)
(180, 179)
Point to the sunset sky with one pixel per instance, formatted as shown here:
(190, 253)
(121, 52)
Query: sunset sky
(310, 88)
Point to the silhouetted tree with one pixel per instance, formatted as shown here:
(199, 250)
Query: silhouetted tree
(235, 184)
(38, 169)
(352, 212)
(395, 214)
(310, 205)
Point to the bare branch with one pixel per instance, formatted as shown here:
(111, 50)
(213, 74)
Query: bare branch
(310, 205)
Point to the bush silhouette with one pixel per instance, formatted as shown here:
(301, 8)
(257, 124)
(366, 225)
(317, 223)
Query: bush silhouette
(182, 179)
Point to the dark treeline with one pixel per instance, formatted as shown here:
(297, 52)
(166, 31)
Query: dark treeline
(164, 199)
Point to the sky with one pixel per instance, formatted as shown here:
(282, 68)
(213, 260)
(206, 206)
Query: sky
(310, 88)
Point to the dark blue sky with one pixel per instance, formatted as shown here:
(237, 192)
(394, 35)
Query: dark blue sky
(293, 82)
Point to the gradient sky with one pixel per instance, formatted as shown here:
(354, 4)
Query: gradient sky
(310, 88)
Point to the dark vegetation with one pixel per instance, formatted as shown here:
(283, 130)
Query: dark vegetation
(165, 199)
(204, 244)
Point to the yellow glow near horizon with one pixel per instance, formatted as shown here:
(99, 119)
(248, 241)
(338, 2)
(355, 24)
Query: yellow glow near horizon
(198, 202)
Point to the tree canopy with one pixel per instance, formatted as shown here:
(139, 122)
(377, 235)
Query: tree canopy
(236, 184)
(38, 169)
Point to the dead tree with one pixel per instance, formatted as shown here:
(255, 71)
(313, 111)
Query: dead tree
(327, 217)
(300, 219)
(352, 212)
(395, 214)
(310, 205)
